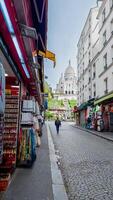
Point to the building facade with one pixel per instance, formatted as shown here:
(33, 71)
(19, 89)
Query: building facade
(95, 67)
(105, 58)
(86, 45)
(67, 85)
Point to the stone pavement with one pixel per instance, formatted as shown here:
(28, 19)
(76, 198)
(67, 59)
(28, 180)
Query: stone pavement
(106, 135)
(86, 162)
(39, 182)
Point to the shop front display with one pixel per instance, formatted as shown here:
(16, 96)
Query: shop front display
(9, 124)
(17, 134)
(10, 133)
(100, 122)
(1, 136)
(27, 139)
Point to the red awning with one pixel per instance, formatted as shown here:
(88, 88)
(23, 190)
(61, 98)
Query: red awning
(6, 35)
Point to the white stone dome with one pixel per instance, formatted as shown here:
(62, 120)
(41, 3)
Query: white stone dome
(69, 70)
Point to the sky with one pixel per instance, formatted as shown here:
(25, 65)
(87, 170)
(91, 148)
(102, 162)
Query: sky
(66, 19)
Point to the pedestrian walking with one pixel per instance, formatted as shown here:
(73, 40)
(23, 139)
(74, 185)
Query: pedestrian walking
(57, 124)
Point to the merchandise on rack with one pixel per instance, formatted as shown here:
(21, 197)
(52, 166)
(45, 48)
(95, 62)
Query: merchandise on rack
(27, 136)
(100, 122)
(27, 147)
(4, 181)
(1, 136)
(29, 106)
(10, 133)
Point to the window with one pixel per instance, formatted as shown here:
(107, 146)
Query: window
(89, 20)
(94, 93)
(83, 51)
(94, 74)
(94, 70)
(112, 53)
(82, 97)
(105, 61)
(65, 92)
(69, 92)
(103, 15)
(111, 4)
(89, 40)
(111, 26)
(89, 97)
(94, 90)
(104, 38)
(89, 56)
(106, 85)
(72, 92)
(89, 79)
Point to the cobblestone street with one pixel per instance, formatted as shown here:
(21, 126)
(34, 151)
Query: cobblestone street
(86, 163)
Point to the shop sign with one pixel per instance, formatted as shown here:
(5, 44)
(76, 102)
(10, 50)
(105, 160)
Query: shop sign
(46, 95)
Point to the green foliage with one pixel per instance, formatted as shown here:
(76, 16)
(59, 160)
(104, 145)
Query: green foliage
(62, 103)
(54, 103)
(49, 115)
(72, 103)
(47, 90)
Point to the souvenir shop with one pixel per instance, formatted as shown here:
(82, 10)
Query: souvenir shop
(105, 105)
(21, 82)
(18, 108)
(98, 115)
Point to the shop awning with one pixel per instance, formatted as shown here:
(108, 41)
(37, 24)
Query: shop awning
(39, 13)
(32, 14)
(11, 34)
(103, 99)
(83, 106)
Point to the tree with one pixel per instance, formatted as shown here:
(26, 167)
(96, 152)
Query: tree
(48, 90)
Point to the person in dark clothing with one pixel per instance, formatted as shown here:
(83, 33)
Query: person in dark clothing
(57, 124)
(88, 122)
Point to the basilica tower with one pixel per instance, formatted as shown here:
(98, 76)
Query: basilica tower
(67, 84)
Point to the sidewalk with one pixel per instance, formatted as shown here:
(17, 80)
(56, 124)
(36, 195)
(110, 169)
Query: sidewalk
(38, 182)
(105, 135)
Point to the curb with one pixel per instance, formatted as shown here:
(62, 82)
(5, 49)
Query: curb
(93, 133)
(58, 187)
